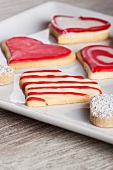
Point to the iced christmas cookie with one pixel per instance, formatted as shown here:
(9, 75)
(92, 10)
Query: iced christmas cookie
(6, 75)
(24, 52)
(51, 87)
(69, 30)
(101, 110)
(97, 61)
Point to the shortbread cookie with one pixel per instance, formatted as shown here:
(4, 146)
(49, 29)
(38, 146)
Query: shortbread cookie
(51, 87)
(97, 61)
(101, 110)
(24, 52)
(70, 30)
(6, 75)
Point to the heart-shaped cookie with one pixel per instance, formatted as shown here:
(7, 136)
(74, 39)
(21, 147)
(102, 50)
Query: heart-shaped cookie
(97, 61)
(69, 29)
(24, 52)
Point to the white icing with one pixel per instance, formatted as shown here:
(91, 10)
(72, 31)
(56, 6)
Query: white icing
(45, 97)
(105, 59)
(52, 79)
(61, 84)
(102, 58)
(61, 90)
(5, 70)
(102, 105)
(66, 22)
(60, 79)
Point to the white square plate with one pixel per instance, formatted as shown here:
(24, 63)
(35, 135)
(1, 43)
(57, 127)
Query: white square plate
(34, 23)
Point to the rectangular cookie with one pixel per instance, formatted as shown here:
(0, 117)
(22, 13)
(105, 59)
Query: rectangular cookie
(53, 87)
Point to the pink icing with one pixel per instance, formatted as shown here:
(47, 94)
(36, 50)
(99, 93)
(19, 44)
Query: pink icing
(25, 49)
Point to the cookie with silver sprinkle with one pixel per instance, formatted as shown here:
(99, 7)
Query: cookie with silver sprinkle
(101, 110)
(6, 74)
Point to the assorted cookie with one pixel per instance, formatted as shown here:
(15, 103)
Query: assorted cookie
(97, 61)
(53, 87)
(101, 110)
(25, 52)
(71, 30)
(6, 75)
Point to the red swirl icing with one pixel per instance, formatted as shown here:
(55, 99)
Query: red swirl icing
(105, 25)
(24, 49)
(92, 55)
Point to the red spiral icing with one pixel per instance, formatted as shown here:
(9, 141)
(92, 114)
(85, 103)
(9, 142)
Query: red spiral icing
(92, 55)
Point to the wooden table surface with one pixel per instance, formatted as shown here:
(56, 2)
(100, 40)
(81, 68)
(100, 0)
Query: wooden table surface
(27, 144)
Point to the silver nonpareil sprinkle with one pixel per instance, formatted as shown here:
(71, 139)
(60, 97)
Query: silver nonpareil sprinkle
(102, 105)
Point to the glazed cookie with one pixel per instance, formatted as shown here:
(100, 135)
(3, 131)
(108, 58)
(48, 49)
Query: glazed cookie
(70, 30)
(6, 75)
(51, 87)
(24, 52)
(101, 110)
(97, 61)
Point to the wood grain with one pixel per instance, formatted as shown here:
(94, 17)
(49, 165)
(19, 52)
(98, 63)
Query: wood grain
(27, 144)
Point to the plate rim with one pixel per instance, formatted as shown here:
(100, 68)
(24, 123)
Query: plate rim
(49, 118)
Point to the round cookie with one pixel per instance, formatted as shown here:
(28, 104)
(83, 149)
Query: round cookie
(101, 110)
(6, 74)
